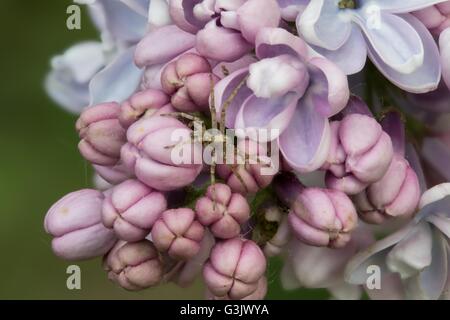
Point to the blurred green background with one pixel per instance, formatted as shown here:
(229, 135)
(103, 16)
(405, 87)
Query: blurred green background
(40, 163)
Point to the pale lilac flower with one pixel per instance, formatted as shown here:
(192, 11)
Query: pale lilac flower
(234, 269)
(131, 209)
(96, 72)
(288, 91)
(101, 134)
(225, 30)
(290, 9)
(178, 234)
(414, 260)
(134, 266)
(75, 224)
(222, 211)
(436, 18)
(397, 43)
(320, 267)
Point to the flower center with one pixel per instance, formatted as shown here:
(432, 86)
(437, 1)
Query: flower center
(348, 4)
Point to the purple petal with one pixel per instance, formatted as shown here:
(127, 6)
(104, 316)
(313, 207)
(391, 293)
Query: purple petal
(401, 6)
(224, 89)
(305, 143)
(180, 41)
(394, 41)
(321, 25)
(118, 81)
(271, 42)
(350, 57)
(426, 78)
(270, 114)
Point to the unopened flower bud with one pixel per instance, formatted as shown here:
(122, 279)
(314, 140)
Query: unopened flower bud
(178, 233)
(101, 134)
(188, 80)
(76, 226)
(161, 153)
(222, 211)
(143, 102)
(131, 209)
(257, 172)
(397, 194)
(134, 266)
(234, 269)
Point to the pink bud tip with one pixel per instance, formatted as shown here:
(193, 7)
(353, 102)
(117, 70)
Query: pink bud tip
(222, 211)
(178, 233)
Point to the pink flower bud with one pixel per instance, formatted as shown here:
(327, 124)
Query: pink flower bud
(134, 266)
(222, 211)
(436, 18)
(397, 194)
(259, 294)
(188, 81)
(113, 174)
(318, 217)
(178, 233)
(75, 223)
(234, 269)
(322, 217)
(131, 209)
(143, 102)
(360, 154)
(161, 153)
(101, 134)
(248, 178)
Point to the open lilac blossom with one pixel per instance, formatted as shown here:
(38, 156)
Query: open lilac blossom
(397, 194)
(87, 72)
(290, 93)
(101, 134)
(217, 22)
(131, 209)
(397, 43)
(234, 269)
(149, 151)
(319, 267)
(436, 18)
(222, 211)
(134, 266)
(413, 260)
(178, 233)
(76, 227)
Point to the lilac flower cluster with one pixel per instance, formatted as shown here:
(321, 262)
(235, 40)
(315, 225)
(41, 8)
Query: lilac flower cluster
(354, 164)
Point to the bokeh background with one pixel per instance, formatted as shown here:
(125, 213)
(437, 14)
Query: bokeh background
(39, 163)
